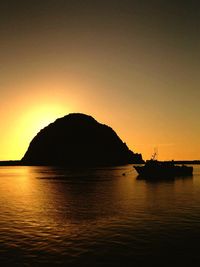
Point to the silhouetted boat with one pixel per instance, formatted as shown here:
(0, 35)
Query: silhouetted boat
(157, 169)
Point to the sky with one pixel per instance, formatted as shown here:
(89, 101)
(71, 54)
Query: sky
(133, 65)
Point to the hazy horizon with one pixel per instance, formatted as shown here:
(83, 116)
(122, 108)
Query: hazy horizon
(133, 65)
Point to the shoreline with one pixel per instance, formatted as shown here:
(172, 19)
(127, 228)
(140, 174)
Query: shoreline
(19, 163)
(10, 163)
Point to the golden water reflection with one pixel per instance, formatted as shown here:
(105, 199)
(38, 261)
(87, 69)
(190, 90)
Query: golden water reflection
(42, 198)
(69, 212)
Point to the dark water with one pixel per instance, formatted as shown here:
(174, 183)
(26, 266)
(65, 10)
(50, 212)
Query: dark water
(97, 217)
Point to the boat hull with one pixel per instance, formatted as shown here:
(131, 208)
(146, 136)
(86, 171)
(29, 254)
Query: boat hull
(163, 171)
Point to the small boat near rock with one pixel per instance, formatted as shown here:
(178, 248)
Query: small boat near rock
(157, 169)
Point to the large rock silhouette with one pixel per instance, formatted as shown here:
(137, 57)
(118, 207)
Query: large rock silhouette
(78, 140)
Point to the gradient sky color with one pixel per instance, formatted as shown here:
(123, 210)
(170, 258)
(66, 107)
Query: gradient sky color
(133, 65)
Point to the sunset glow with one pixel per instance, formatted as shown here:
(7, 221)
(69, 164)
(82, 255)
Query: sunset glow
(136, 72)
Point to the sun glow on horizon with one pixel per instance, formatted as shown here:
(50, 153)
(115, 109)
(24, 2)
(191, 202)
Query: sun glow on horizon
(29, 124)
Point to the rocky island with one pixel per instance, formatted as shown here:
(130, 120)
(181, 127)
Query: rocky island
(78, 140)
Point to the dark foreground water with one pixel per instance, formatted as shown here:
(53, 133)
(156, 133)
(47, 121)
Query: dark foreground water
(97, 217)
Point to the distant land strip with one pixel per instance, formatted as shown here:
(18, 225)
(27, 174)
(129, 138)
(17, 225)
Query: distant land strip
(193, 162)
(11, 163)
(19, 163)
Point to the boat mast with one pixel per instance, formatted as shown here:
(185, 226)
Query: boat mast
(155, 154)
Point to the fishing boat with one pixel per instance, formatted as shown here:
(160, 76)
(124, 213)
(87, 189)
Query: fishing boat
(157, 169)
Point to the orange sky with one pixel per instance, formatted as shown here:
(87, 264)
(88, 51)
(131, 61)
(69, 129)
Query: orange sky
(130, 65)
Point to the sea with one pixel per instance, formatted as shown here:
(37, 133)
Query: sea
(97, 217)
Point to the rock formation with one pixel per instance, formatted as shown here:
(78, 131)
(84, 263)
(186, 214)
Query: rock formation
(78, 140)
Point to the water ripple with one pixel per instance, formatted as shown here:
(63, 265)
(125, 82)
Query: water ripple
(96, 217)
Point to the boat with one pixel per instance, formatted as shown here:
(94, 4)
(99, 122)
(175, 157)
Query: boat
(158, 169)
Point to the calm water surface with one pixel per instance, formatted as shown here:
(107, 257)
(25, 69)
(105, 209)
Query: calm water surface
(97, 217)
